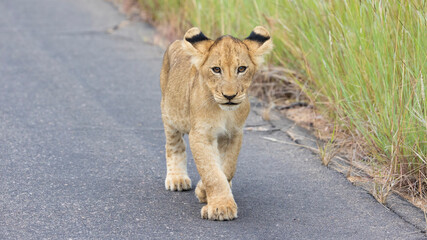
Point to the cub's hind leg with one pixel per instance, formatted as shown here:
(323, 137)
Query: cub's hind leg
(229, 148)
(201, 191)
(176, 161)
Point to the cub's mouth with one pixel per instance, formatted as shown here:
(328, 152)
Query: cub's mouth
(229, 106)
(230, 103)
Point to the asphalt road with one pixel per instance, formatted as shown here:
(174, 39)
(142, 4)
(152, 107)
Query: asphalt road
(82, 145)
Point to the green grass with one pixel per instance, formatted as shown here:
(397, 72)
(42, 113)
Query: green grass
(365, 62)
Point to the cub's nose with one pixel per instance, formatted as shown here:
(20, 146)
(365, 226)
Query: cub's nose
(229, 97)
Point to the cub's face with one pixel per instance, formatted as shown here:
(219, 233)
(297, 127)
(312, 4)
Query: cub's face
(227, 65)
(228, 72)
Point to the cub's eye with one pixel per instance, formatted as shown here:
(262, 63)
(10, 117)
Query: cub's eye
(241, 69)
(216, 69)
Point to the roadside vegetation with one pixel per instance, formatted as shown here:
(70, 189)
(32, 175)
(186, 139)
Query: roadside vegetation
(362, 64)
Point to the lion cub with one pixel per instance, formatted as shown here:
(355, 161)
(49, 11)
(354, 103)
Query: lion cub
(204, 86)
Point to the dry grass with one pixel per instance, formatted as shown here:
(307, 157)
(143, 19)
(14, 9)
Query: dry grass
(276, 85)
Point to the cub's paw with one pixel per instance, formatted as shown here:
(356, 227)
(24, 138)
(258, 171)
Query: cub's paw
(221, 210)
(177, 182)
(200, 192)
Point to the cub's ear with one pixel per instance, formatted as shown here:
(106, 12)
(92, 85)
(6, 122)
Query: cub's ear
(259, 43)
(197, 45)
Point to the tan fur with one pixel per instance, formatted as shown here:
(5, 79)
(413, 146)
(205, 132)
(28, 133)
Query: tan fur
(192, 103)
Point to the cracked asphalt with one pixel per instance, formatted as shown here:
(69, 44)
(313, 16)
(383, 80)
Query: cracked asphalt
(82, 145)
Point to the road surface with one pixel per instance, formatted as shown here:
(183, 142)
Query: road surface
(82, 145)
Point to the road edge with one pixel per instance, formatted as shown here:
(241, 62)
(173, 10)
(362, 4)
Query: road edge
(394, 202)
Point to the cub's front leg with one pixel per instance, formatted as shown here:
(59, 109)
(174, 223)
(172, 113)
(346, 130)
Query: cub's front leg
(229, 148)
(220, 200)
(176, 160)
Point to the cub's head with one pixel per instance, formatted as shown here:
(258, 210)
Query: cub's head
(227, 65)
